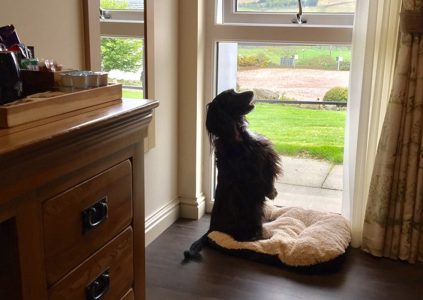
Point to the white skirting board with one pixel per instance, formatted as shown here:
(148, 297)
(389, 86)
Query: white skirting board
(160, 220)
(193, 208)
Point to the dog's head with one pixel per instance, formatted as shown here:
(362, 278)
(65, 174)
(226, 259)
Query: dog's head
(226, 114)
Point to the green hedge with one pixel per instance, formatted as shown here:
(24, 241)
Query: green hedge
(336, 94)
(259, 60)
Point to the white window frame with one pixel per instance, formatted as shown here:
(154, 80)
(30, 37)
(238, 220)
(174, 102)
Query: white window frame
(129, 23)
(124, 14)
(232, 16)
(254, 28)
(123, 23)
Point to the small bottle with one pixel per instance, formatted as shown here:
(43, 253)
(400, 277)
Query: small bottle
(33, 64)
(25, 63)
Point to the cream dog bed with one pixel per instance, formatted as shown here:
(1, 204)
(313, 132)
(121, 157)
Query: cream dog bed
(297, 237)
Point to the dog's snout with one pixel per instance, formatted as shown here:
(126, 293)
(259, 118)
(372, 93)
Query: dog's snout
(248, 94)
(248, 101)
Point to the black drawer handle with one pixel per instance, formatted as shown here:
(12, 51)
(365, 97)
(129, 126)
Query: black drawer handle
(99, 287)
(94, 215)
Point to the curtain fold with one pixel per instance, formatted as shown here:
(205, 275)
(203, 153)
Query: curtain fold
(394, 215)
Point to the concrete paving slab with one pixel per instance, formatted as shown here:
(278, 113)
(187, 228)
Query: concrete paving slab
(309, 197)
(334, 179)
(304, 171)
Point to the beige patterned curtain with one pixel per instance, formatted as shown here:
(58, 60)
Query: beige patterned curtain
(393, 225)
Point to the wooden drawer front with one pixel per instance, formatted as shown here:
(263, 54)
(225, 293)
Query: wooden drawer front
(66, 243)
(113, 260)
(129, 295)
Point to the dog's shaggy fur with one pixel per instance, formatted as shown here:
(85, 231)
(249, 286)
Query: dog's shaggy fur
(247, 168)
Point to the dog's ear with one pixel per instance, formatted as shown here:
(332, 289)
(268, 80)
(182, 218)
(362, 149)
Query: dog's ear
(218, 122)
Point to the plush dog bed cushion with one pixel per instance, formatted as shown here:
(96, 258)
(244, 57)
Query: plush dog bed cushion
(297, 236)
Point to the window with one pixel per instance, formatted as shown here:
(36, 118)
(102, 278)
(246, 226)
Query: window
(335, 13)
(113, 23)
(309, 6)
(257, 45)
(122, 44)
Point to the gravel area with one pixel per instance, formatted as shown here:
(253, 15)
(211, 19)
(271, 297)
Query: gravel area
(301, 84)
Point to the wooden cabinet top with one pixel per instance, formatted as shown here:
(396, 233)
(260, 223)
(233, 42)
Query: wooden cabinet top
(51, 171)
(27, 136)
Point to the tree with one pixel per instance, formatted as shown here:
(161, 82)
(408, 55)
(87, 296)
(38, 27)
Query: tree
(121, 54)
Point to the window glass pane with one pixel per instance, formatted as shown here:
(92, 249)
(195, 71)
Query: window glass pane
(122, 4)
(300, 72)
(123, 59)
(267, 5)
(288, 6)
(301, 96)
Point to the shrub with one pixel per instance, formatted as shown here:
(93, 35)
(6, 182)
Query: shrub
(345, 66)
(284, 97)
(259, 60)
(336, 94)
(264, 94)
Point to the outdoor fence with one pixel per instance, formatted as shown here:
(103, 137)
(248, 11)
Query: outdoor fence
(312, 102)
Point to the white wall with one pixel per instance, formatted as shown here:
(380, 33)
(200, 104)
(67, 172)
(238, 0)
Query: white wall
(191, 109)
(54, 28)
(161, 162)
(176, 78)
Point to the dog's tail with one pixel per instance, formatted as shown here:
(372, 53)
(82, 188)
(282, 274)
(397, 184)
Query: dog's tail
(196, 247)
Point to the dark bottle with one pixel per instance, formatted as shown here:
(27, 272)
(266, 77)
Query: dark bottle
(10, 81)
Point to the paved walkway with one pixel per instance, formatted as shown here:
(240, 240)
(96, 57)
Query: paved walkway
(309, 183)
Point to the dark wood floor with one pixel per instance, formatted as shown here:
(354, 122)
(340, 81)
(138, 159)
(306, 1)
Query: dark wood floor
(220, 276)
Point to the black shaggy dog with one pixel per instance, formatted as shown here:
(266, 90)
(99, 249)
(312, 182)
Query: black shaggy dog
(247, 168)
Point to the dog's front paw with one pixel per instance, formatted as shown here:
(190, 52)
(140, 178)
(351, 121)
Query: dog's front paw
(272, 195)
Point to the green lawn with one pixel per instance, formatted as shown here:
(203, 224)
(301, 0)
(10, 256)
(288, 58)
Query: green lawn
(318, 57)
(130, 93)
(301, 132)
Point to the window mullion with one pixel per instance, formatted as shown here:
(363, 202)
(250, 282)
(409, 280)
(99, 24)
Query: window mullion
(122, 28)
(134, 15)
(291, 34)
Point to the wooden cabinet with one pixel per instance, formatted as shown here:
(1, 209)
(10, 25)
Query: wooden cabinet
(108, 272)
(72, 205)
(88, 215)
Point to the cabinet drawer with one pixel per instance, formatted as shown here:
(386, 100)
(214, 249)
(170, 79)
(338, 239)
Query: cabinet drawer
(109, 272)
(81, 220)
(128, 296)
